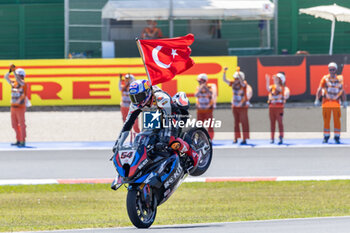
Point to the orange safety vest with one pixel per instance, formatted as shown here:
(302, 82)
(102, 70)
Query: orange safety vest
(276, 97)
(333, 88)
(18, 95)
(205, 98)
(125, 102)
(239, 94)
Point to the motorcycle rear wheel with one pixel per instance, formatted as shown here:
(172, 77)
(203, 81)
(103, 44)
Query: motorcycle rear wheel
(200, 141)
(140, 215)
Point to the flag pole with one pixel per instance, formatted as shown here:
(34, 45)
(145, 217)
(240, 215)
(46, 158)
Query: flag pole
(143, 59)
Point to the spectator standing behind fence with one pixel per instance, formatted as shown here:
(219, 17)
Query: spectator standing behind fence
(278, 94)
(215, 29)
(332, 89)
(151, 31)
(206, 100)
(242, 92)
(125, 103)
(18, 104)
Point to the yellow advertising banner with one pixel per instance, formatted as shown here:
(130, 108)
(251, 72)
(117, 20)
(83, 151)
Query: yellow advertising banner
(96, 81)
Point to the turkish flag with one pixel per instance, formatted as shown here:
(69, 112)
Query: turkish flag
(164, 58)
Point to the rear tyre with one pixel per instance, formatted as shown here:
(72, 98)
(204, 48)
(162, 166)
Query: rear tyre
(200, 141)
(140, 215)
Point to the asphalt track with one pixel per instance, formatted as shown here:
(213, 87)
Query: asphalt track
(239, 162)
(227, 162)
(308, 225)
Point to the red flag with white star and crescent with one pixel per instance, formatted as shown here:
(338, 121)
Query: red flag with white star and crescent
(165, 58)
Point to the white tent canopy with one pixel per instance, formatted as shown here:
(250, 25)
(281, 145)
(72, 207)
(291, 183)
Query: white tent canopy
(330, 12)
(188, 9)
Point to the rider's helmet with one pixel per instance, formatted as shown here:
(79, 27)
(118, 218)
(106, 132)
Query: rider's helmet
(140, 92)
(181, 100)
(202, 77)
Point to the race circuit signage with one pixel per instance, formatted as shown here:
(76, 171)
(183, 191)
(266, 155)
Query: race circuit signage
(96, 81)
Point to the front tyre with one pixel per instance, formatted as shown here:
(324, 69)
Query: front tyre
(141, 215)
(200, 141)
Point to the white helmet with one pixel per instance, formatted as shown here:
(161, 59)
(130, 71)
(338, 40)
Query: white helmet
(333, 64)
(181, 100)
(129, 76)
(203, 77)
(21, 72)
(282, 77)
(238, 74)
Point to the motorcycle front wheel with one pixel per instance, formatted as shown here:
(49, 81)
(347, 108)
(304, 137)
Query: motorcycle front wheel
(140, 215)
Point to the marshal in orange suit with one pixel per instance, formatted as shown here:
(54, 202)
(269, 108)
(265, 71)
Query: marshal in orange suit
(332, 89)
(242, 92)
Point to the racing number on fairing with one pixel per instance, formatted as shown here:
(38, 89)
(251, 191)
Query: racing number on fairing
(126, 154)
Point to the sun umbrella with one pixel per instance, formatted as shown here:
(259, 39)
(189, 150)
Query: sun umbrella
(329, 12)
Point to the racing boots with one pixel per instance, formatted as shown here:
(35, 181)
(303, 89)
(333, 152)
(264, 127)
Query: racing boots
(280, 141)
(337, 139)
(325, 139)
(15, 144)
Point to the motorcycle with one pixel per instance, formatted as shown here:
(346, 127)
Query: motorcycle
(152, 171)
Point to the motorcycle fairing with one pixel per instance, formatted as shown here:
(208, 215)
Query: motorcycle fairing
(134, 166)
(118, 165)
(117, 182)
(161, 173)
(166, 175)
(131, 158)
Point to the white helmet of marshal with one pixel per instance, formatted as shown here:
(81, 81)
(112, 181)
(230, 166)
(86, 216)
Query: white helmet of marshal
(333, 64)
(282, 77)
(129, 76)
(202, 77)
(238, 73)
(21, 72)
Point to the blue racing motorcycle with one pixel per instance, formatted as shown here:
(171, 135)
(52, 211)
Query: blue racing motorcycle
(152, 171)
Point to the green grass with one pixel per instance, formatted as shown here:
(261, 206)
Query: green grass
(47, 207)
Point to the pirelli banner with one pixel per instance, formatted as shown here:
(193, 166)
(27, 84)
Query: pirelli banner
(95, 81)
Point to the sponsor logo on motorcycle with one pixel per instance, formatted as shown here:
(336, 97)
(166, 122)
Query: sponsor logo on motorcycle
(143, 164)
(173, 178)
(151, 120)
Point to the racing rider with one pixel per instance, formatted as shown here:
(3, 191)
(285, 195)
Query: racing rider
(144, 97)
